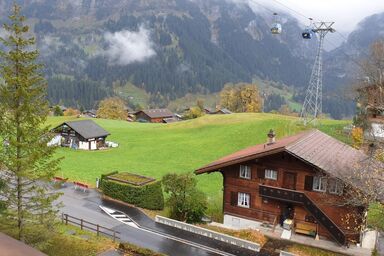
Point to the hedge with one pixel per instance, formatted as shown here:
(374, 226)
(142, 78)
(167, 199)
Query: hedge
(149, 196)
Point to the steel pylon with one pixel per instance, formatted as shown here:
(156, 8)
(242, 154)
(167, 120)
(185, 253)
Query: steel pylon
(312, 106)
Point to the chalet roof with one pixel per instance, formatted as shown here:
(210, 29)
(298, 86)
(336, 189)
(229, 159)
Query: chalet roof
(90, 111)
(88, 129)
(314, 147)
(170, 120)
(157, 113)
(225, 111)
(11, 246)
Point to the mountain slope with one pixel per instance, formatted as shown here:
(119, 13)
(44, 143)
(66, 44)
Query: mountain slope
(199, 46)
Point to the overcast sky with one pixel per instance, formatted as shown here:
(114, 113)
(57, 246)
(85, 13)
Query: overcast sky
(346, 13)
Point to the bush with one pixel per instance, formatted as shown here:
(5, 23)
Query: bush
(149, 196)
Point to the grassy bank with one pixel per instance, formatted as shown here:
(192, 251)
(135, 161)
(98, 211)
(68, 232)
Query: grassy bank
(156, 149)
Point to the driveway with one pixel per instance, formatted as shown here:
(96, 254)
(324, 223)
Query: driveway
(152, 235)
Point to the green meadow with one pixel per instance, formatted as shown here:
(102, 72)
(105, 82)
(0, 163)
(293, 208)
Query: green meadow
(156, 149)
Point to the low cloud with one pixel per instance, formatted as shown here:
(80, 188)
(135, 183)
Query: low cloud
(126, 47)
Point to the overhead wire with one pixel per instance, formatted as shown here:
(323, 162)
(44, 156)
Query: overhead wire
(309, 18)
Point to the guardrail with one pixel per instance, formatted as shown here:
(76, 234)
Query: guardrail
(65, 218)
(208, 233)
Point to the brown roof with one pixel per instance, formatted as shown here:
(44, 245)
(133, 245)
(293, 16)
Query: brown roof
(157, 113)
(12, 247)
(313, 147)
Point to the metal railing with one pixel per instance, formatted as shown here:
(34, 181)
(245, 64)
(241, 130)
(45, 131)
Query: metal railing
(65, 218)
(288, 195)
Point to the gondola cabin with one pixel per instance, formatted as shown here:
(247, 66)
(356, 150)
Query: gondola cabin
(307, 34)
(276, 28)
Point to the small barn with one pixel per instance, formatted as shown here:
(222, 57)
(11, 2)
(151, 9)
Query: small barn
(83, 134)
(153, 115)
(90, 113)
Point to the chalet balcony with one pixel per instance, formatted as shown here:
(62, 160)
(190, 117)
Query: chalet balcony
(281, 194)
(292, 196)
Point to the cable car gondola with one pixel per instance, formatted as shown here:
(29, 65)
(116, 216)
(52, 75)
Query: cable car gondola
(308, 32)
(276, 26)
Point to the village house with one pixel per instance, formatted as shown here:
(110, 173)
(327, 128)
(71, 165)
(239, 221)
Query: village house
(217, 111)
(153, 115)
(83, 134)
(92, 113)
(295, 182)
(371, 100)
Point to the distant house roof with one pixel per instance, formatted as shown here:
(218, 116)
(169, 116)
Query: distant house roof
(10, 246)
(225, 111)
(88, 129)
(90, 111)
(314, 147)
(157, 113)
(170, 120)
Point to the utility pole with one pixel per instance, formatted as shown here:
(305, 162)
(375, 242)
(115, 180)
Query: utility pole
(312, 106)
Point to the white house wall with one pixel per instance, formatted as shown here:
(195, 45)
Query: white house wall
(83, 145)
(235, 222)
(93, 145)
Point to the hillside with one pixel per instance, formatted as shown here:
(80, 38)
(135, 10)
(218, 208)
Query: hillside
(156, 149)
(187, 47)
(155, 52)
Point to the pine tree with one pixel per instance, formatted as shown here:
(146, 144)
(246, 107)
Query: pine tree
(25, 158)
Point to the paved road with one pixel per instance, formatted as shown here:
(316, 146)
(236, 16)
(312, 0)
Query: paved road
(152, 236)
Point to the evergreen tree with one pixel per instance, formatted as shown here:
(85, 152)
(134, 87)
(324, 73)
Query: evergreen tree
(25, 158)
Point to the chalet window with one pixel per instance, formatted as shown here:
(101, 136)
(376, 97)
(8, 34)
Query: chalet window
(319, 183)
(245, 171)
(243, 200)
(335, 187)
(270, 174)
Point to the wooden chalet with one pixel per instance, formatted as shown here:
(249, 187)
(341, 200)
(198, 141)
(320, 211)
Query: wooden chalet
(153, 115)
(83, 134)
(92, 113)
(219, 111)
(371, 98)
(296, 182)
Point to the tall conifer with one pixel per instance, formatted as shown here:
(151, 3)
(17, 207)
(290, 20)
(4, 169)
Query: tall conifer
(25, 158)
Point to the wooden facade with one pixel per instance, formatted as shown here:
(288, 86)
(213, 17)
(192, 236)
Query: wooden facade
(153, 115)
(291, 175)
(280, 186)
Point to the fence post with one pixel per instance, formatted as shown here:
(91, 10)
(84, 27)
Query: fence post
(81, 224)
(97, 229)
(114, 236)
(66, 219)
(62, 218)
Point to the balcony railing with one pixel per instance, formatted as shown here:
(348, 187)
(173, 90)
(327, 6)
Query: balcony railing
(293, 196)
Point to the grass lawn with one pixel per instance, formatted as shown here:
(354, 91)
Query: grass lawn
(156, 149)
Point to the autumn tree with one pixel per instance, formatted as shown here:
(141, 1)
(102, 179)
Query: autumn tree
(112, 108)
(241, 98)
(71, 112)
(26, 160)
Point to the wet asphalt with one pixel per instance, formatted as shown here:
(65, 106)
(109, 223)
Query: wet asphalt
(152, 235)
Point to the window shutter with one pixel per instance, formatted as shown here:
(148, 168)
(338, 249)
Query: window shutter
(234, 198)
(260, 173)
(308, 183)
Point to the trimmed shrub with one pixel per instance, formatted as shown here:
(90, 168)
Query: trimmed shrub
(149, 196)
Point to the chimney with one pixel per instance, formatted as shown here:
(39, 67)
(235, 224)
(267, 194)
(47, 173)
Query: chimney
(271, 137)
